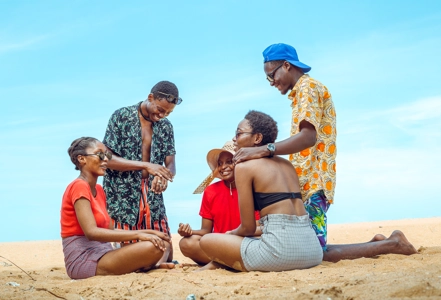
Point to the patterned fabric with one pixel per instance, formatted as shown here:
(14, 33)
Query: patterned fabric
(317, 206)
(144, 219)
(81, 256)
(287, 243)
(123, 137)
(315, 166)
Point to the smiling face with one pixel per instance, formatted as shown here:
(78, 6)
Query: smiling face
(158, 108)
(279, 75)
(225, 166)
(92, 163)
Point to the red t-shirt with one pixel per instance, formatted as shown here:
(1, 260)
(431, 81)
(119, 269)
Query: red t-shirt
(76, 190)
(221, 207)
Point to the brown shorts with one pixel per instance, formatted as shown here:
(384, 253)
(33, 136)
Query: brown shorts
(81, 256)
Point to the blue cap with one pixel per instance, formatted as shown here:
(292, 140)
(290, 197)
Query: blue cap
(284, 52)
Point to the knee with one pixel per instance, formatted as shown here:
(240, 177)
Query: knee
(188, 245)
(205, 242)
(150, 250)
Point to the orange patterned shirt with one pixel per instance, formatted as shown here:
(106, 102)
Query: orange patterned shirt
(315, 166)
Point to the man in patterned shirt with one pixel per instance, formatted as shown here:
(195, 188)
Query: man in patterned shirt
(312, 150)
(142, 141)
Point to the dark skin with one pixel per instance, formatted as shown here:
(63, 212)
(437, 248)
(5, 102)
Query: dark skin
(285, 79)
(154, 109)
(189, 245)
(144, 255)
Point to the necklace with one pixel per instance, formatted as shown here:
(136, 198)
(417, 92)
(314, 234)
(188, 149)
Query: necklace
(144, 116)
(231, 191)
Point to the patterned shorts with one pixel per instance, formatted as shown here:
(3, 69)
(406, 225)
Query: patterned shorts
(288, 242)
(317, 206)
(81, 256)
(143, 220)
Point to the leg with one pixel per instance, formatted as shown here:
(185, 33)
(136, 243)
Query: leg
(141, 255)
(397, 243)
(224, 249)
(190, 247)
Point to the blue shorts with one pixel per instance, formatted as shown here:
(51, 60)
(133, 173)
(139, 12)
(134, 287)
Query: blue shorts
(317, 206)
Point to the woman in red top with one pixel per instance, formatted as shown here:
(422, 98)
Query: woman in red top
(86, 227)
(219, 207)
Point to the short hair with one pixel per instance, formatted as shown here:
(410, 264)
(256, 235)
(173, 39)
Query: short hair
(279, 62)
(276, 62)
(166, 87)
(264, 124)
(78, 147)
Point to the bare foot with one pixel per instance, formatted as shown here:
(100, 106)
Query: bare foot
(165, 265)
(212, 265)
(377, 237)
(402, 245)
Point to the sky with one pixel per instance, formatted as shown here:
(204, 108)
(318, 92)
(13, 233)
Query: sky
(65, 67)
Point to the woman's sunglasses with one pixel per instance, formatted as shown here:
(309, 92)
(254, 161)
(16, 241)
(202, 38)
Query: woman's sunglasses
(171, 98)
(101, 155)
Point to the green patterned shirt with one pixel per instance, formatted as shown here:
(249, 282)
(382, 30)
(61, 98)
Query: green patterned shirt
(123, 189)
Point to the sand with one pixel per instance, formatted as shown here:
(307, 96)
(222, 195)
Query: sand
(385, 277)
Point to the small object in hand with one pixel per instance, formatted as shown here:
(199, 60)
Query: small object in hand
(191, 297)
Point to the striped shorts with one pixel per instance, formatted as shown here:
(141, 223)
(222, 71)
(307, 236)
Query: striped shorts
(143, 220)
(288, 242)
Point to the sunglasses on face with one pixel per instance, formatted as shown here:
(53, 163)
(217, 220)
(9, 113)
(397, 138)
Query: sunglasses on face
(270, 76)
(170, 98)
(238, 133)
(101, 155)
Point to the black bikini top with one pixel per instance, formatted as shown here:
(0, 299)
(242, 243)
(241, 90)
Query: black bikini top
(262, 200)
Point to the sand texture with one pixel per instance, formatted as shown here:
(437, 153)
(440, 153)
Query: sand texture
(384, 277)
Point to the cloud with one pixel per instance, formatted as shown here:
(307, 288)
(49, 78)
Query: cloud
(416, 122)
(23, 44)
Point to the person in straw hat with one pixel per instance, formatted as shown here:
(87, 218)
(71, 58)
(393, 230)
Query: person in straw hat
(270, 185)
(219, 208)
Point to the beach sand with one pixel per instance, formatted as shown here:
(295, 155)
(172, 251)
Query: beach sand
(385, 277)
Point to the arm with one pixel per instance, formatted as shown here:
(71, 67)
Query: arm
(121, 164)
(206, 227)
(306, 138)
(87, 222)
(258, 231)
(244, 184)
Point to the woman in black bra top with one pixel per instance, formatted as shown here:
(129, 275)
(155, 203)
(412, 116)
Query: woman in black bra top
(271, 186)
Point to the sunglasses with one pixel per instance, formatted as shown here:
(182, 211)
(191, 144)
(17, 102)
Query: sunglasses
(270, 76)
(101, 155)
(238, 133)
(171, 98)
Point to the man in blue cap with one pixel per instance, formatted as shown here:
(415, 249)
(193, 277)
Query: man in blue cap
(312, 150)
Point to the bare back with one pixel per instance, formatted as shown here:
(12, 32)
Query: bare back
(272, 175)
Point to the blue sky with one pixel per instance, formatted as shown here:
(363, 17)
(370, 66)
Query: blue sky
(66, 66)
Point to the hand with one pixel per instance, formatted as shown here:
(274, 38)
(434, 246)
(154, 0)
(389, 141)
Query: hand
(156, 240)
(185, 230)
(248, 153)
(162, 235)
(160, 171)
(159, 185)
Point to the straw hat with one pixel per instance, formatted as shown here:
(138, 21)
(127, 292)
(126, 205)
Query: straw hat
(212, 160)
